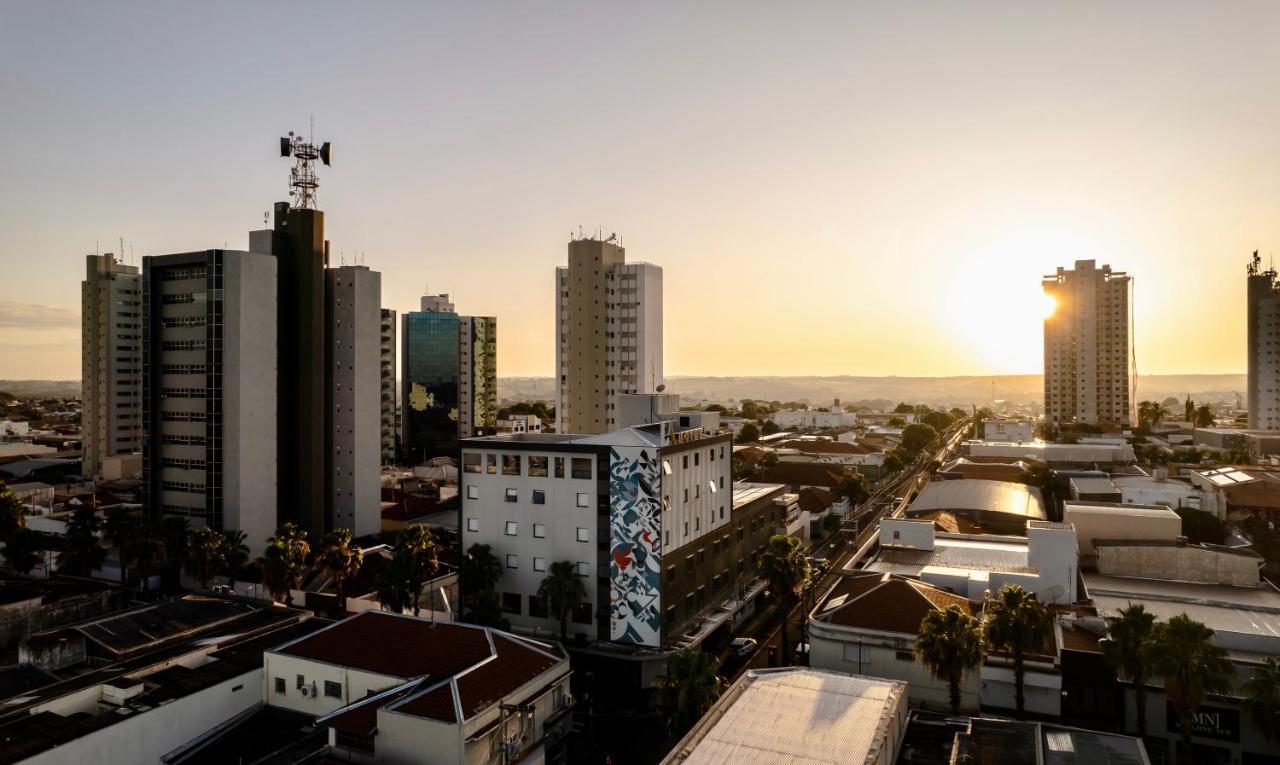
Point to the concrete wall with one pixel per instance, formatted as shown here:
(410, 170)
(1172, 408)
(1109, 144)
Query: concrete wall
(1184, 564)
(19, 624)
(355, 313)
(1042, 689)
(355, 683)
(1116, 523)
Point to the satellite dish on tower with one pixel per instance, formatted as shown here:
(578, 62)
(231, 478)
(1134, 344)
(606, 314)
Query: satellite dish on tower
(662, 387)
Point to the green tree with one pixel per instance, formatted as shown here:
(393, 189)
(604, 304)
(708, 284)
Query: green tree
(560, 592)
(284, 561)
(82, 552)
(12, 512)
(957, 414)
(479, 573)
(341, 560)
(1125, 648)
(896, 422)
(769, 428)
(950, 644)
(1203, 417)
(939, 421)
(830, 522)
(235, 551)
(1182, 652)
(1151, 414)
(204, 557)
(1262, 697)
(1189, 410)
(749, 433)
(854, 486)
(1200, 527)
(145, 550)
(486, 610)
(782, 563)
(687, 690)
(23, 549)
(424, 563)
(916, 436)
(750, 409)
(118, 528)
(1019, 623)
(904, 408)
(892, 462)
(394, 582)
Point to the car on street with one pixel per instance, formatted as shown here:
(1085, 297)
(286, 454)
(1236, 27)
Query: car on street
(742, 646)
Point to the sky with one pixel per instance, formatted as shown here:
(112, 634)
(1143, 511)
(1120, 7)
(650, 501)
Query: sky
(830, 188)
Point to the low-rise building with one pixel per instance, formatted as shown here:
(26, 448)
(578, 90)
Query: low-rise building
(799, 715)
(520, 423)
(998, 429)
(1159, 489)
(1093, 489)
(1051, 454)
(1098, 521)
(1003, 506)
(1242, 494)
(805, 419)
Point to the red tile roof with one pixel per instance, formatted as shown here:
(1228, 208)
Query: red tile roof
(802, 474)
(815, 500)
(888, 603)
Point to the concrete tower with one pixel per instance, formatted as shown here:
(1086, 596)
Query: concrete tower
(1086, 346)
(110, 359)
(1264, 352)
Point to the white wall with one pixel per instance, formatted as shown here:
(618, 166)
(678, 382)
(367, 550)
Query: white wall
(693, 471)
(883, 655)
(356, 294)
(356, 684)
(1042, 690)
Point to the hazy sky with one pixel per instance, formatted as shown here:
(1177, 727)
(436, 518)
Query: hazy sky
(843, 188)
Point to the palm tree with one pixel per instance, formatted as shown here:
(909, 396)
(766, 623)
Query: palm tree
(145, 550)
(82, 553)
(1019, 623)
(394, 592)
(118, 528)
(284, 562)
(783, 564)
(1262, 697)
(1203, 416)
(560, 592)
(340, 559)
(1126, 647)
(276, 576)
(950, 644)
(22, 550)
(204, 554)
(235, 551)
(423, 553)
(1151, 413)
(479, 572)
(1182, 652)
(687, 690)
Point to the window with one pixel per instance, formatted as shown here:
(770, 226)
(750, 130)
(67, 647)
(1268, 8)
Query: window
(722, 482)
(582, 613)
(696, 455)
(513, 561)
(512, 529)
(473, 491)
(666, 467)
(471, 463)
(333, 689)
(686, 495)
(301, 681)
(279, 685)
(559, 461)
(904, 656)
(722, 512)
(511, 464)
(536, 607)
(584, 499)
(584, 535)
(539, 497)
(511, 602)
(712, 485)
(697, 491)
(581, 467)
(538, 467)
(539, 531)
(686, 528)
(584, 569)
(511, 495)
(491, 464)
(539, 564)
(473, 524)
(684, 461)
(697, 523)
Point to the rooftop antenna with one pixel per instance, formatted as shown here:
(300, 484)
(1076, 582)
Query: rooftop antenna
(302, 176)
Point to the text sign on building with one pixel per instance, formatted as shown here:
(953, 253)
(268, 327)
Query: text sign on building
(1210, 722)
(635, 547)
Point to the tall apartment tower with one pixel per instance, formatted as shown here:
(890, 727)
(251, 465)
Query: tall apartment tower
(1264, 351)
(387, 366)
(209, 390)
(449, 370)
(353, 304)
(110, 360)
(1086, 346)
(608, 334)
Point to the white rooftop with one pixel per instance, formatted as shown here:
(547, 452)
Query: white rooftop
(800, 715)
(1227, 476)
(968, 552)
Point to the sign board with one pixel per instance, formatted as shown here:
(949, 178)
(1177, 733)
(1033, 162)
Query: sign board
(1210, 722)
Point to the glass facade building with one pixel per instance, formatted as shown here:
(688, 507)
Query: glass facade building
(429, 384)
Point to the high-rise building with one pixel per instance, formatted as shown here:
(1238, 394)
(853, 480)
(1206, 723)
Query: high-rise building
(1086, 346)
(448, 387)
(387, 364)
(353, 300)
(111, 360)
(209, 390)
(1264, 350)
(608, 334)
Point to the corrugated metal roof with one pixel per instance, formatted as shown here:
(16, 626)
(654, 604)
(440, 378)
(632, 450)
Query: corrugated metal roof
(976, 494)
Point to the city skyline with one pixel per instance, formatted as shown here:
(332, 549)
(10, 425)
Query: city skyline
(843, 191)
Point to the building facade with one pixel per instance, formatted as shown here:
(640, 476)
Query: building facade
(110, 360)
(354, 294)
(449, 374)
(387, 365)
(209, 390)
(1087, 346)
(609, 504)
(1264, 352)
(608, 334)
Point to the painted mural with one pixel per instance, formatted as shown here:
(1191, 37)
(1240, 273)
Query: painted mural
(635, 546)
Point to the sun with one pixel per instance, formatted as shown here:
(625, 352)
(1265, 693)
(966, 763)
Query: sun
(1047, 305)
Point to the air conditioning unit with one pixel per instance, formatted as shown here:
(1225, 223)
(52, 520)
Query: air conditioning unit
(305, 691)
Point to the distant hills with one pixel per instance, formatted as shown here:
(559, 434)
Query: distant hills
(873, 391)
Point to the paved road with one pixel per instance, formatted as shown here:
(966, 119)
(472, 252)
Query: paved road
(859, 528)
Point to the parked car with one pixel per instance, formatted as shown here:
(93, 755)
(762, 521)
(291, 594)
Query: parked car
(742, 646)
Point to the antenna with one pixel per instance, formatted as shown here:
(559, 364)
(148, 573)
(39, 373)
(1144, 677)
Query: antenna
(302, 176)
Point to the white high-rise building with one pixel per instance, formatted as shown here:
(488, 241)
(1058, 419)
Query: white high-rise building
(354, 303)
(388, 370)
(110, 360)
(1264, 346)
(209, 390)
(1086, 346)
(608, 334)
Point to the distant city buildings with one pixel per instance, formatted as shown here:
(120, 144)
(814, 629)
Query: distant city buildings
(1264, 347)
(1086, 346)
(387, 366)
(209, 390)
(449, 385)
(608, 334)
(110, 360)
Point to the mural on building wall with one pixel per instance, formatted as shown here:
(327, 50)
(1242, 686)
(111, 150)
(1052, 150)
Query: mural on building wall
(635, 546)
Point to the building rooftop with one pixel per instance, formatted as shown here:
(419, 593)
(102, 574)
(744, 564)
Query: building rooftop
(1117, 509)
(799, 715)
(980, 495)
(746, 493)
(1010, 742)
(884, 602)
(803, 474)
(955, 551)
(1091, 485)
